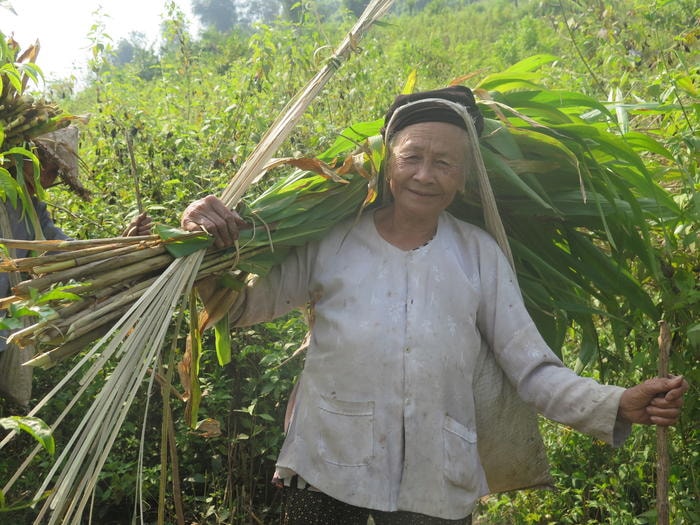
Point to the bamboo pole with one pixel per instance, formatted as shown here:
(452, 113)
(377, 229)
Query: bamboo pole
(280, 129)
(662, 456)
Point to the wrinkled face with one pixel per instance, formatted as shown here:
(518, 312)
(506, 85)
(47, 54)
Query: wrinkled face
(427, 167)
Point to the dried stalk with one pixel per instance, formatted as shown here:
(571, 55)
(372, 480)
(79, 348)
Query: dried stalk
(30, 263)
(65, 330)
(103, 270)
(69, 245)
(67, 349)
(85, 259)
(662, 456)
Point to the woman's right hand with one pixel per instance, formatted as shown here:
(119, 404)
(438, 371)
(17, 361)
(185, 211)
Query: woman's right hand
(211, 215)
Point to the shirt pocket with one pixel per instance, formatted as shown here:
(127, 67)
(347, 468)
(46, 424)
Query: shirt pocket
(346, 432)
(461, 457)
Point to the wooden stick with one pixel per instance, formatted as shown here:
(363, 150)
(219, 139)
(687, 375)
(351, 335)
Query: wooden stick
(134, 171)
(662, 458)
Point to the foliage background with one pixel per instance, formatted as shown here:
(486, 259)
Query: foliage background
(196, 107)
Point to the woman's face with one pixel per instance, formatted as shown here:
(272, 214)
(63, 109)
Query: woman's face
(427, 167)
(49, 174)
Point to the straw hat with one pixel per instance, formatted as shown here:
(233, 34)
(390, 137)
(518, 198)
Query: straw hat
(60, 148)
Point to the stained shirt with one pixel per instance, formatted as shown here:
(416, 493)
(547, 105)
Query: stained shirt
(414, 358)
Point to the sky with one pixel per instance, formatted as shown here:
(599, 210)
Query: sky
(62, 28)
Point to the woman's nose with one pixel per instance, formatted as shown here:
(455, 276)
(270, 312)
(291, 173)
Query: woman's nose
(424, 172)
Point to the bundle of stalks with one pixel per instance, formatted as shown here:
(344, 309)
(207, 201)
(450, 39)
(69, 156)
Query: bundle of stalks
(22, 116)
(90, 284)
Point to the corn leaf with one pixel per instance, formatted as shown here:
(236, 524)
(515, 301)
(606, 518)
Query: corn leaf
(222, 340)
(180, 243)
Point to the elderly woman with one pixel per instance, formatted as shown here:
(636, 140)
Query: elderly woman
(402, 410)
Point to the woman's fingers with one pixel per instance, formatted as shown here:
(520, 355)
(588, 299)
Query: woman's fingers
(212, 216)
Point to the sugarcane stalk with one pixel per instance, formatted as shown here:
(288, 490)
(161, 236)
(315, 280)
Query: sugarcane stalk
(78, 329)
(79, 244)
(84, 271)
(35, 122)
(662, 455)
(124, 299)
(96, 261)
(62, 254)
(74, 317)
(68, 349)
(26, 264)
(84, 259)
(70, 319)
(102, 296)
(120, 274)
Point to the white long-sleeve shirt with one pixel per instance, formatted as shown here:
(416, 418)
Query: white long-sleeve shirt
(408, 397)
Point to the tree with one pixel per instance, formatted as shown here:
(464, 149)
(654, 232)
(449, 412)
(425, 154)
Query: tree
(356, 6)
(222, 15)
(262, 10)
(292, 9)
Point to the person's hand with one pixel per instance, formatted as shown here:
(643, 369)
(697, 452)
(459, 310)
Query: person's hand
(656, 401)
(141, 225)
(212, 216)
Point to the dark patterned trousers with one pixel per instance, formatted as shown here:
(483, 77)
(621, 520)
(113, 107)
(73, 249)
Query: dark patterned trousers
(311, 507)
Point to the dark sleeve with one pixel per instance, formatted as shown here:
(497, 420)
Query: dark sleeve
(50, 230)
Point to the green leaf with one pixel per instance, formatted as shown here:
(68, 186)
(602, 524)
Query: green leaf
(22, 309)
(532, 63)
(644, 143)
(589, 345)
(33, 426)
(57, 294)
(563, 106)
(508, 81)
(11, 323)
(497, 137)
(693, 334)
(180, 243)
(350, 137)
(9, 188)
(493, 162)
(222, 340)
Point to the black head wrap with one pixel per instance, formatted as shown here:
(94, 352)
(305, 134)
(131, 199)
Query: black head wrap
(433, 111)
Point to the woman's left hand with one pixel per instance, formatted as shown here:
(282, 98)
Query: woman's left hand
(141, 225)
(656, 401)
